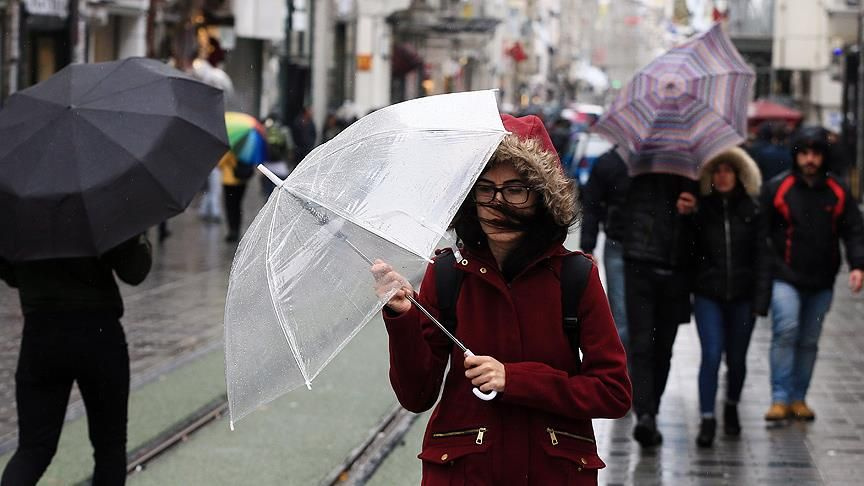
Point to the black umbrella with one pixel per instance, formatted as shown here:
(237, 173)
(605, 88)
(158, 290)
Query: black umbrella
(99, 153)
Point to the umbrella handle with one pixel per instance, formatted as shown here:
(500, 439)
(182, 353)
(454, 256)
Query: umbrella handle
(477, 393)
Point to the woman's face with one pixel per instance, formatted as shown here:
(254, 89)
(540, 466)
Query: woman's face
(723, 178)
(507, 187)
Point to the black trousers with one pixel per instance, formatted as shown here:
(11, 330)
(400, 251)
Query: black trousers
(234, 207)
(56, 350)
(657, 301)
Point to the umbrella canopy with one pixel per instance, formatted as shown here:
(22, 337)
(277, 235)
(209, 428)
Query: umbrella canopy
(761, 110)
(683, 108)
(100, 152)
(386, 187)
(247, 136)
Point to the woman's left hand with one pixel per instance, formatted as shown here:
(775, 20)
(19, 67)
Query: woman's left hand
(485, 372)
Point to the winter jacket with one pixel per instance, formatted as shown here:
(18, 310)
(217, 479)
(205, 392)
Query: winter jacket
(656, 233)
(730, 258)
(227, 164)
(804, 225)
(538, 431)
(603, 199)
(79, 284)
(727, 246)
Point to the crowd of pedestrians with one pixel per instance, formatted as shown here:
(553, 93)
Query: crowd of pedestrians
(751, 236)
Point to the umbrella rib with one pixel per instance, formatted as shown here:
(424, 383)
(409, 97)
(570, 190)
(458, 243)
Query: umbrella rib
(134, 157)
(292, 340)
(162, 189)
(351, 220)
(99, 83)
(141, 113)
(29, 137)
(133, 88)
(398, 131)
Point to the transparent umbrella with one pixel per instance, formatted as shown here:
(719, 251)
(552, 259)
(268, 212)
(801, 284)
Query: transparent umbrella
(386, 187)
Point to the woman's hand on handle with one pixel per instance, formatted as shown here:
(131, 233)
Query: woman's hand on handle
(386, 280)
(485, 372)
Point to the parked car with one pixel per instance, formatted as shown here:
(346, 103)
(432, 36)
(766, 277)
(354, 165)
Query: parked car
(584, 151)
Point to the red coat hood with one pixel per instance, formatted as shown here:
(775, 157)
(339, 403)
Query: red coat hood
(530, 150)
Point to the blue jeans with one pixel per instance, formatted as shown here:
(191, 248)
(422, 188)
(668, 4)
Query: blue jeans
(613, 260)
(797, 317)
(723, 327)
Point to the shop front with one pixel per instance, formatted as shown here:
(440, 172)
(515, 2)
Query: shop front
(46, 39)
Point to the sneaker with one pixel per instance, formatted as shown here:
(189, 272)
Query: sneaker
(801, 411)
(646, 433)
(778, 411)
(731, 424)
(707, 429)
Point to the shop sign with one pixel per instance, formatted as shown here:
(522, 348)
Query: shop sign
(53, 8)
(364, 62)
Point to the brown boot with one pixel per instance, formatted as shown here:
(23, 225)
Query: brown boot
(778, 411)
(801, 411)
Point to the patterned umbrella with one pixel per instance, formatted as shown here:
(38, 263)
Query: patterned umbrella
(247, 136)
(683, 108)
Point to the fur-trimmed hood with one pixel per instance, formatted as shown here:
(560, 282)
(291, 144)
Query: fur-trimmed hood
(745, 168)
(529, 148)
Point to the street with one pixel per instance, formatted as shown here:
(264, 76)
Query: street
(173, 324)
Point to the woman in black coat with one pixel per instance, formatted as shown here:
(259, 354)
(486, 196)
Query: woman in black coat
(727, 265)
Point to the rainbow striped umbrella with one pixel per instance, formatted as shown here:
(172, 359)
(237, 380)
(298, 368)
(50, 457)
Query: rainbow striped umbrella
(247, 137)
(683, 108)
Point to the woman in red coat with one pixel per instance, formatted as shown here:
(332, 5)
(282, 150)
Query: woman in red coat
(509, 312)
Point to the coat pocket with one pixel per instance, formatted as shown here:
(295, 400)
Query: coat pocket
(457, 457)
(574, 453)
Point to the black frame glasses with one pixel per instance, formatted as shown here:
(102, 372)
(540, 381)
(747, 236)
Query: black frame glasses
(511, 193)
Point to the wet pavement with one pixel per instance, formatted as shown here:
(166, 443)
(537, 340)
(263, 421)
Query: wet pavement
(174, 325)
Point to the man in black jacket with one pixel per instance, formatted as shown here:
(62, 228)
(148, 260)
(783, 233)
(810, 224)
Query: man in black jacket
(658, 252)
(603, 199)
(72, 333)
(806, 211)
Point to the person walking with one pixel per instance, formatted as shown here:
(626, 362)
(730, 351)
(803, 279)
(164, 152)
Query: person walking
(729, 259)
(806, 212)
(304, 133)
(509, 308)
(603, 199)
(770, 151)
(233, 188)
(210, 210)
(658, 251)
(72, 333)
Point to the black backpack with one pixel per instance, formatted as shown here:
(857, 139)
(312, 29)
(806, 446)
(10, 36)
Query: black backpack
(574, 278)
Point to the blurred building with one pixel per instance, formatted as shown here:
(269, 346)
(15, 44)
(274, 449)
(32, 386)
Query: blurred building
(750, 25)
(114, 29)
(806, 34)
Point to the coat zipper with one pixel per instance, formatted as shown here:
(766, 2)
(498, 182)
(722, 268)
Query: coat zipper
(480, 433)
(727, 230)
(553, 434)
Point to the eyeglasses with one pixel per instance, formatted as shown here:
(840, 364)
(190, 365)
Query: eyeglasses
(513, 194)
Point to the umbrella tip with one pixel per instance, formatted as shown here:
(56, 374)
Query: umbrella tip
(308, 385)
(231, 425)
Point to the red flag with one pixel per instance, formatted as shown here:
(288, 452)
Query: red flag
(517, 53)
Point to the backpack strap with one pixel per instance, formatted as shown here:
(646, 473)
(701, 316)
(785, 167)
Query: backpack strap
(448, 282)
(575, 270)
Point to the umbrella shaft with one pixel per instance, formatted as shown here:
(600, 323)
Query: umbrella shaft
(440, 326)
